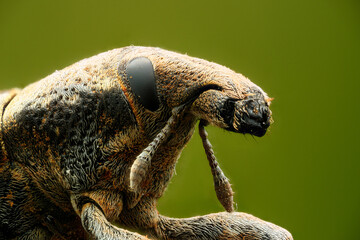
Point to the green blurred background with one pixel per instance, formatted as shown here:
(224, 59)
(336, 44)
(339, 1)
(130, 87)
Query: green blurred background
(304, 174)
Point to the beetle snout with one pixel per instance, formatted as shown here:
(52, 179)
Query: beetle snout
(253, 115)
(249, 115)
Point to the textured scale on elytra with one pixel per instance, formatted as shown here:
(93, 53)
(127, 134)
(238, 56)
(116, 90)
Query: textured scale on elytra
(87, 151)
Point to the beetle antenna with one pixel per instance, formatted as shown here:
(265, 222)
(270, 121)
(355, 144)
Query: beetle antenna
(222, 185)
(143, 161)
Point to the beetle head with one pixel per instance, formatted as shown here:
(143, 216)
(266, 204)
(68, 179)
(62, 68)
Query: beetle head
(216, 94)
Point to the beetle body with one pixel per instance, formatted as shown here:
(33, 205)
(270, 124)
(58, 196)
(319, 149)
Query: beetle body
(69, 141)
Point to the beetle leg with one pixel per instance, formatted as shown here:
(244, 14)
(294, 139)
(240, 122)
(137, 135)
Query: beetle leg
(235, 225)
(97, 226)
(143, 161)
(238, 226)
(100, 228)
(222, 184)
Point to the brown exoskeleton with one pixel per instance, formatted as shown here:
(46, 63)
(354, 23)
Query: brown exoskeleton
(96, 144)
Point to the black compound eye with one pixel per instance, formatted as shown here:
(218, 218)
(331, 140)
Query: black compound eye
(140, 74)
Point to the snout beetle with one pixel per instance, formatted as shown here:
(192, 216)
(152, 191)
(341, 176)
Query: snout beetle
(87, 151)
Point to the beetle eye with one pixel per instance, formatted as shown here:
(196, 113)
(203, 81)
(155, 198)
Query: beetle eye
(140, 74)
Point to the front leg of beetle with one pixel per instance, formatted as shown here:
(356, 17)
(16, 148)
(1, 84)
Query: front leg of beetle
(99, 228)
(220, 226)
(94, 220)
(145, 217)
